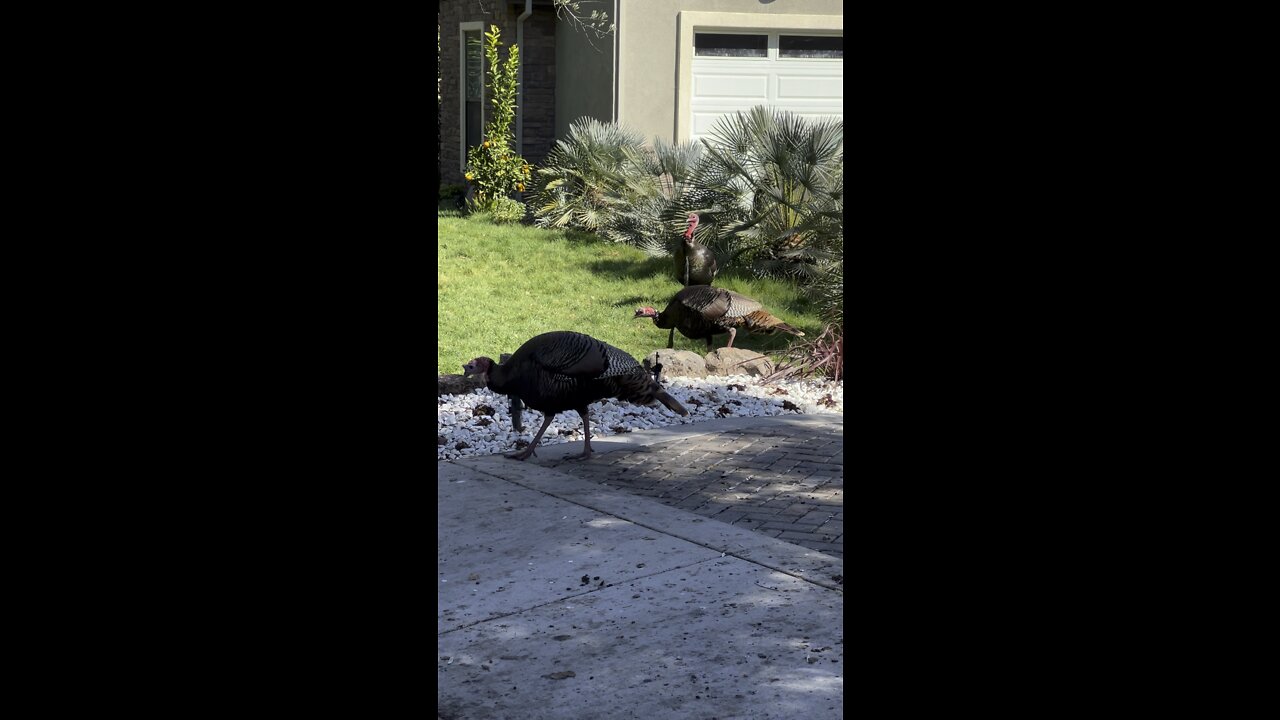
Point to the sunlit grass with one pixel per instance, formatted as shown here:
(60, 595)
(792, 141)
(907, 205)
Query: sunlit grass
(499, 285)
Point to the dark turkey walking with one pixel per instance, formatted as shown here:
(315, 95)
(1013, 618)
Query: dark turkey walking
(702, 311)
(564, 370)
(695, 264)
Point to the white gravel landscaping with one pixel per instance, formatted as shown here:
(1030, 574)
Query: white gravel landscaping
(479, 423)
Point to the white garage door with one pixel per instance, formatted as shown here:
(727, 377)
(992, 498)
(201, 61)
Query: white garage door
(735, 71)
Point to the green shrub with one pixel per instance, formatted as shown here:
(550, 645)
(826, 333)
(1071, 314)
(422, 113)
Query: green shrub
(820, 261)
(584, 177)
(494, 168)
(496, 172)
(768, 187)
(506, 210)
(788, 178)
(664, 188)
(453, 196)
(602, 179)
(451, 191)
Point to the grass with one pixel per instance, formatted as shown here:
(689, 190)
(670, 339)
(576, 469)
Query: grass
(499, 285)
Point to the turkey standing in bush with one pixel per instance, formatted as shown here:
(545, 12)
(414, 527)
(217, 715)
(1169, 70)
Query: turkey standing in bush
(695, 264)
(564, 370)
(702, 311)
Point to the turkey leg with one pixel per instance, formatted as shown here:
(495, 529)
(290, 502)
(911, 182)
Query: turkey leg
(671, 339)
(524, 454)
(586, 436)
(733, 332)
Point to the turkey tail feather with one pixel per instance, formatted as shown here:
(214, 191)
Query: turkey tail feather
(762, 322)
(672, 404)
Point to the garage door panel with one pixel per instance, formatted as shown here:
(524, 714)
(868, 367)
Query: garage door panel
(712, 85)
(704, 123)
(809, 87)
(812, 88)
(838, 115)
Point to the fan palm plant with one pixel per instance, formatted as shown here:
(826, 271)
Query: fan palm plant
(663, 188)
(787, 178)
(585, 176)
(767, 185)
(602, 178)
(820, 259)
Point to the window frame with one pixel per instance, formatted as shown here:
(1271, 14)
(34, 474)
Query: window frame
(768, 45)
(463, 29)
(773, 44)
(777, 45)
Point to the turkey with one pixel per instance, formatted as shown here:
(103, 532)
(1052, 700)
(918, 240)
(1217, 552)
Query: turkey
(695, 264)
(702, 311)
(563, 370)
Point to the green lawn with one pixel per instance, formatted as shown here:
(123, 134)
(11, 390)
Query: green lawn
(499, 285)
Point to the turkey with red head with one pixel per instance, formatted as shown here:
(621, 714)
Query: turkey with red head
(702, 311)
(695, 264)
(564, 370)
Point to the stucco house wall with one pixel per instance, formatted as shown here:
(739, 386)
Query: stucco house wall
(585, 71)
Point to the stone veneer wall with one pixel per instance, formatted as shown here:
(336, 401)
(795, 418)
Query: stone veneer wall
(539, 54)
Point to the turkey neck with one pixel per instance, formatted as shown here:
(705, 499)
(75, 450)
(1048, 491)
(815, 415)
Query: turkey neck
(663, 323)
(498, 379)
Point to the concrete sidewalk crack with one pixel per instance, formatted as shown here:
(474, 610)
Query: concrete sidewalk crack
(723, 551)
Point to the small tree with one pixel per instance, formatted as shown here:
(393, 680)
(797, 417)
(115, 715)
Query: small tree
(494, 168)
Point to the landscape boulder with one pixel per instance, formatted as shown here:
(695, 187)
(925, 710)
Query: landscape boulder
(736, 361)
(677, 363)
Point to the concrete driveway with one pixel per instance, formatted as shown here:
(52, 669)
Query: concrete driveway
(560, 597)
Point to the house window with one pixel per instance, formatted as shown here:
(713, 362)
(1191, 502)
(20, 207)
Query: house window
(473, 83)
(802, 46)
(718, 45)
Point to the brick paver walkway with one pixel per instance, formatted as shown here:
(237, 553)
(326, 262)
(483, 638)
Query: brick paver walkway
(780, 482)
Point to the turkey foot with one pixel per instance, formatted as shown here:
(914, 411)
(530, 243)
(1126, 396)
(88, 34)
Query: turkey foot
(524, 454)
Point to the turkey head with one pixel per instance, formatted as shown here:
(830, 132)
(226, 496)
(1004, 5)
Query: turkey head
(693, 223)
(480, 366)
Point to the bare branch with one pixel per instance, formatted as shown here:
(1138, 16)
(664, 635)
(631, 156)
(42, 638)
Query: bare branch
(594, 26)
